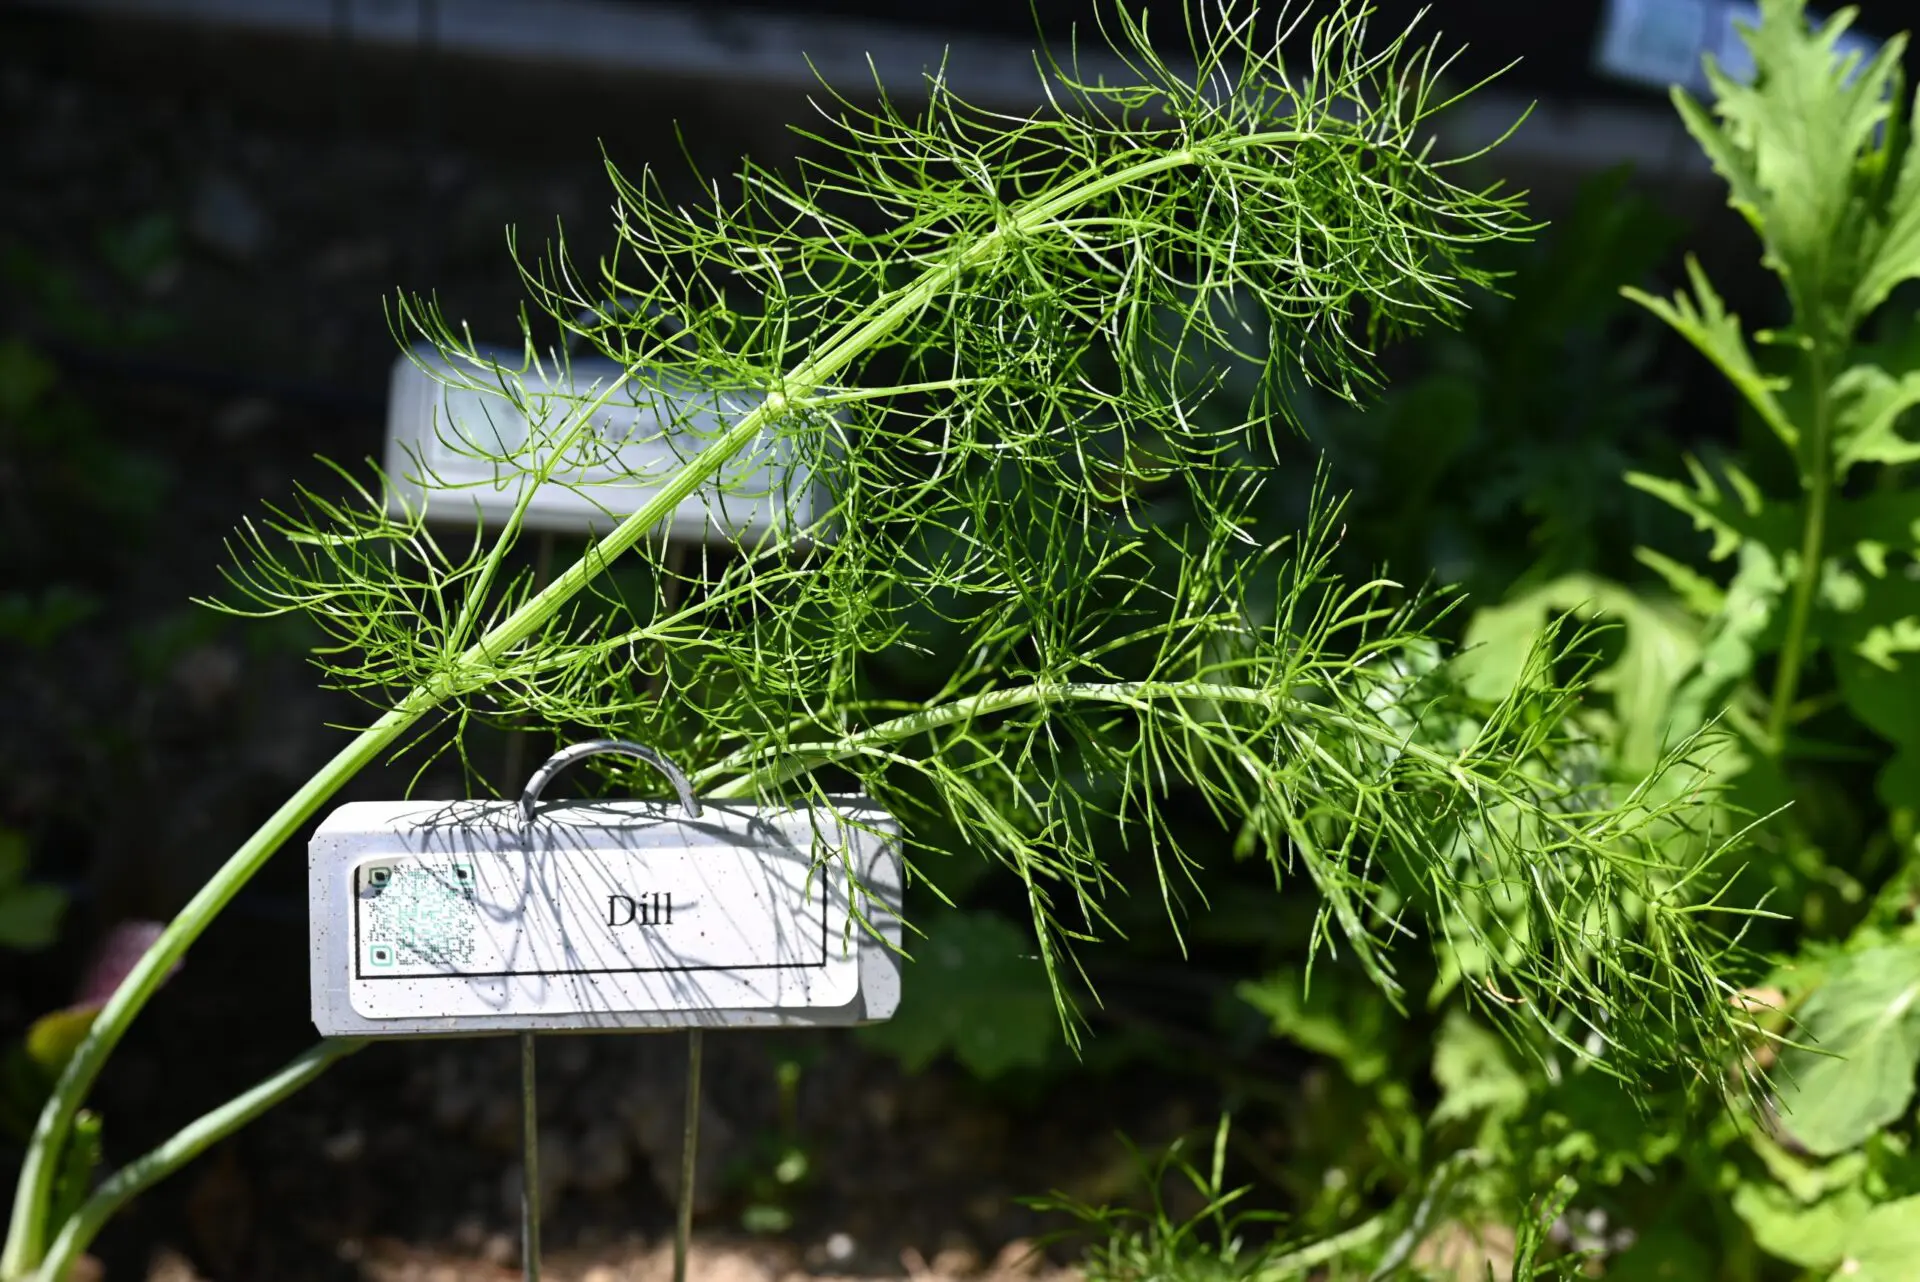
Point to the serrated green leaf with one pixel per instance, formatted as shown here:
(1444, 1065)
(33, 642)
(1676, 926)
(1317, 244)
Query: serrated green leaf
(1874, 524)
(1728, 506)
(1734, 640)
(1696, 591)
(1791, 145)
(1703, 320)
(1875, 660)
(974, 989)
(1892, 248)
(1661, 645)
(1885, 644)
(1865, 1022)
(1351, 1025)
(1869, 404)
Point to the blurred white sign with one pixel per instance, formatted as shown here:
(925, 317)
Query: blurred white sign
(1662, 42)
(462, 452)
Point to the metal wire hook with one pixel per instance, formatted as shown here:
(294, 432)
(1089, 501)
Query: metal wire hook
(529, 1111)
(600, 747)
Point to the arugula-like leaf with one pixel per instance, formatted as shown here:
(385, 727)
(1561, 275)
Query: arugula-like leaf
(1735, 515)
(1736, 634)
(1350, 1024)
(1704, 321)
(1869, 403)
(1892, 243)
(1863, 1026)
(1661, 646)
(1876, 657)
(1791, 146)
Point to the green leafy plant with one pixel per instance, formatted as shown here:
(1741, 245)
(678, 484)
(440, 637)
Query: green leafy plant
(1820, 160)
(957, 326)
(1793, 645)
(978, 993)
(1478, 462)
(1222, 1240)
(780, 1163)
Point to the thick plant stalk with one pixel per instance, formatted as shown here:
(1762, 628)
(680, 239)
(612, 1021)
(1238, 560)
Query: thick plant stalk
(77, 1234)
(851, 340)
(1819, 481)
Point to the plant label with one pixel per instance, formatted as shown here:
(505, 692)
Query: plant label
(459, 448)
(461, 917)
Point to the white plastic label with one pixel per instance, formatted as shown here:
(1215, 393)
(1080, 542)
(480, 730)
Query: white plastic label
(583, 931)
(447, 918)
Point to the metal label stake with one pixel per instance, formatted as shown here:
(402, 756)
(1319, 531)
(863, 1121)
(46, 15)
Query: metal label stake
(529, 1102)
(460, 918)
(529, 1164)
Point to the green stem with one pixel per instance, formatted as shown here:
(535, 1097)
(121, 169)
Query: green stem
(186, 1144)
(24, 1233)
(27, 1226)
(796, 759)
(761, 768)
(1294, 1263)
(1818, 481)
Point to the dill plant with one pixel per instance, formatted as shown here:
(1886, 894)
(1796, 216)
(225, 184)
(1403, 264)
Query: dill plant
(1220, 1240)
(988, 338)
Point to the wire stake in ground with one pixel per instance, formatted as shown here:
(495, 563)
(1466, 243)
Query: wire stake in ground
(689, 1159)
(529, 1164)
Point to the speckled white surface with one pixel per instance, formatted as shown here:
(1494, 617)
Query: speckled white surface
(444, 918)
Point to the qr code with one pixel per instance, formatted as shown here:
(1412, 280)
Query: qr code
(419, 914)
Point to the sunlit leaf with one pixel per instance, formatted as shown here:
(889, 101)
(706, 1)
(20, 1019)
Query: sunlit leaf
(1703, 320)
(1798, 147)
(1863, 1025)
(1871, 404)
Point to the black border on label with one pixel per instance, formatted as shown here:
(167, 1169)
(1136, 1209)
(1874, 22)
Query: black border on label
(359, 969)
